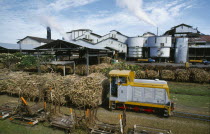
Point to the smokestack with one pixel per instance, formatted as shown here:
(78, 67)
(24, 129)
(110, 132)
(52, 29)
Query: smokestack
(48, 33)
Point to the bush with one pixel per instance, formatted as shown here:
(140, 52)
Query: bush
(28, 61)
(8, 59)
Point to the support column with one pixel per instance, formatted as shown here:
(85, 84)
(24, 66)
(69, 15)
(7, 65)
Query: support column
(87, 62)
(74, 67)
(98, 57)
(64, 70)
(39, 64)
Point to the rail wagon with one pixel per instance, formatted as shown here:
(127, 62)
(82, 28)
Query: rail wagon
(138, 94)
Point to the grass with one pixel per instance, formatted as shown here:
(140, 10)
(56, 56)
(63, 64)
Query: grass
(189, 88)
(176, 125)
(1, 66)
(6, 127)
(199, 102)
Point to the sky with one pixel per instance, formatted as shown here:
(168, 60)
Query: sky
(21, 18)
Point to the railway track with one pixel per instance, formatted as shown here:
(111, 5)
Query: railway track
(191, 116)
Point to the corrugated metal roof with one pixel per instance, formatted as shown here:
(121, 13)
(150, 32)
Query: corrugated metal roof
(201, 38)
(83, 43)
(199, 46)
(16, 46)
(69, 45)
(37, 39)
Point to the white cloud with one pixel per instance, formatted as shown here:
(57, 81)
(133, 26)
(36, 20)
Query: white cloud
(63, 4)
(135, 7)
(33, 19)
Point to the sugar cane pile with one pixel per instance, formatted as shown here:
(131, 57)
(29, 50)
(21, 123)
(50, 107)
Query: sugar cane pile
(98, 68)
(167, 75)
(151, 74)
(80, 91)
(182, 75)
(199, 75)
(82, 69)
(140, 74)
(105, 60)
(21, 83)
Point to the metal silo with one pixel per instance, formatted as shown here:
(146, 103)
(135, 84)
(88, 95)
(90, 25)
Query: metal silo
(135, 45)
(181, 50)
(159, 46)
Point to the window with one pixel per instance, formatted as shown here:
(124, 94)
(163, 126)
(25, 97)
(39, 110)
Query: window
(114, 86)
(113, 36)
(122, 80)
(155, 39)
(162, 44)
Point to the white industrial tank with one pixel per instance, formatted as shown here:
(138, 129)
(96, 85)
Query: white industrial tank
(159, 52)
(181, 50)
(135, 45)
(159, 46)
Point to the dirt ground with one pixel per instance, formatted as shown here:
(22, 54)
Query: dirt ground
(175, 124)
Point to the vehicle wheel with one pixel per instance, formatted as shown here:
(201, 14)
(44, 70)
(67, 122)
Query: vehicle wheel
(112, 107)
(165, 113)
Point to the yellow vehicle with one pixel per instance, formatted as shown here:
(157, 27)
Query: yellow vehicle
(196, 61)
(146, 60)
(138, 94)
(204, 61)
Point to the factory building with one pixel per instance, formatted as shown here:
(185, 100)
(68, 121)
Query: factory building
(182, 30)
(189, 43)
(179, 44)
(34, 41)
(199, 47)
(114, 40)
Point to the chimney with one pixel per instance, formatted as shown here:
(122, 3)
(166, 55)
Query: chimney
(48, 33)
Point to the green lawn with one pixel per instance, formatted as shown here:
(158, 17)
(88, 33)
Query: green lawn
(191, 97)
(6, 127)
(192, 101)
(189, 88)
(1, 66)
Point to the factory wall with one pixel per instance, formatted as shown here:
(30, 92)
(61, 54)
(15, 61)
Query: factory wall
(87, 35)
(159, 46)
(159, 41)
(121, 47)
(114, 35)
(76, 33)
(118, 36)
(135, 45)
(185, 29)
(31, 42)
(181, 50)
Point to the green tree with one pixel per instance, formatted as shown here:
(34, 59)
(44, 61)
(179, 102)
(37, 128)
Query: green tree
(8, 59)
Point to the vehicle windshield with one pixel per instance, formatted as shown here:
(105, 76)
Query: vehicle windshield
(122, 80)
(114, 86)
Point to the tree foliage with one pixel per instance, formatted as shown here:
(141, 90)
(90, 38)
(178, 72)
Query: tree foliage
(8, 59)
(23, 61)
